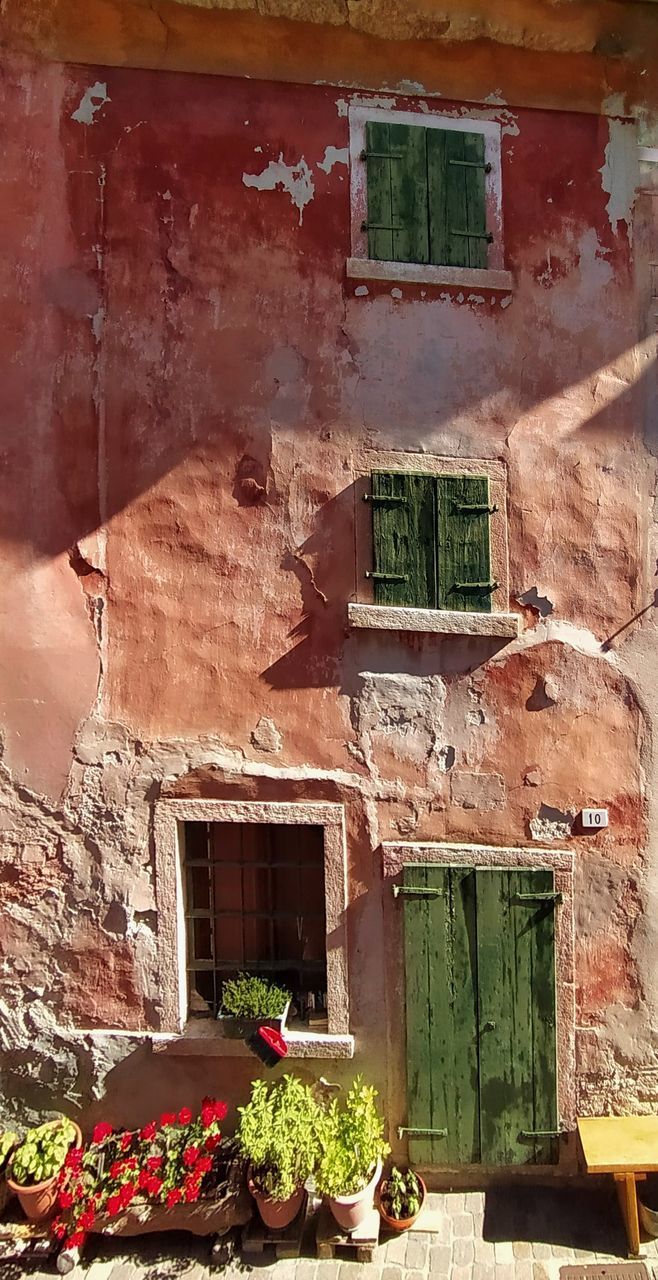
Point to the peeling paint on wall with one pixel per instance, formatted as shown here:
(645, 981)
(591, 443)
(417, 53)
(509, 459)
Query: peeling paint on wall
(332, 156)
(620, 173)
(295, 179)
(90, 103)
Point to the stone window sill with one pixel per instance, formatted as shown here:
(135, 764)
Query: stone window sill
(382, 617)
(202, 1039)
(426, 273)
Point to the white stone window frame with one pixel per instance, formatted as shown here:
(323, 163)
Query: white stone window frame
(396, 855)
(361, 267)
(188, 1035)
(364, 613)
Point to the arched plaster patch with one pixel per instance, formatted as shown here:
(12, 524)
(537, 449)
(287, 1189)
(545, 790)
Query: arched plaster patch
(295, 179)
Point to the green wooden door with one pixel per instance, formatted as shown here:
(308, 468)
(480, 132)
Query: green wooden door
(480, 1013)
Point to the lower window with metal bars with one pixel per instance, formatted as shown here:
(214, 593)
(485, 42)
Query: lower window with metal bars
(255, 903)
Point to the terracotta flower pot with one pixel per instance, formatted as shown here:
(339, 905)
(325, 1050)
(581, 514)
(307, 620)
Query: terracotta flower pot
(38, 1201)
(276, 1214)
(400, 1224)
(350, 1211)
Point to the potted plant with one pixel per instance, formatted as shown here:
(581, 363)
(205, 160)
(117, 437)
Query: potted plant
(250, 1002)
(36, 1162)
(169, 1175)
(278, 1135)
(8, 1141)
(401, 1198)
(352, 1146)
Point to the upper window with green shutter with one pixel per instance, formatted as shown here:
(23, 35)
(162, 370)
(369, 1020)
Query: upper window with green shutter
(426, 198)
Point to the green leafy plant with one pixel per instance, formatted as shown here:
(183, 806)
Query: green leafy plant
(248, 996)
(278, 1133)
(402, 1194)
(351, 1141)
(42, 1153)
(8, 1141)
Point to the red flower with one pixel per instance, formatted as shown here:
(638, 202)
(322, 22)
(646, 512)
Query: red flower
(73, 1158)
(221, 1111)
(153, 1163)
(154, 1185)
(76, 1240)
(116, 1168)
(126, 1193)
(58, 1229)
(173, 1197)
(126, 1141)
(113, 1205)
(149, 1131)
(167, 1118)
(86, 1219)
(65, 1199)
(203, 1164)
(212, 1141)
(78, 1191)
(143, 1179)
(184, 1115)
(102, 1131)
(190, 1156)
(191, 1191)
(131, 1163)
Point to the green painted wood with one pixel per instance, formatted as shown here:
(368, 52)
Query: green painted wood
(475, 196)
(541, 922)
(404, 539)
(437, 194)
(516, 979)
(464, 545)
(409, 193)
(378, 168)
(441, 1015)
(456, 207)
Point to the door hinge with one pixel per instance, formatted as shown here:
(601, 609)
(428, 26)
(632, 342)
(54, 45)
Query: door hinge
(540, 1133)
(380, 226)
(549, 896)
(398, 498)
(417, 889)
(387, 577)
(473, 235)
(476, 586)
(476, 508)
(473, 164)
(381, 155)
(423, 1133)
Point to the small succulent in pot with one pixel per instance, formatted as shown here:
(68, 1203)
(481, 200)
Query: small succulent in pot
(401, 1197)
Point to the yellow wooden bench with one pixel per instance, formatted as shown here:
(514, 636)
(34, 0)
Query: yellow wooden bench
(626, 1147)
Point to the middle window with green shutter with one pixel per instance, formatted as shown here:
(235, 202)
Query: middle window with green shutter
(431, 541)
(426, 195)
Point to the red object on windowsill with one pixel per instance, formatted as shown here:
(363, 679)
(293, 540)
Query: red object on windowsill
(274, 1041)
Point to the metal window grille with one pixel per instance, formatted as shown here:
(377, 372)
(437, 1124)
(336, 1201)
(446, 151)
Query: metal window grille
(254, 902)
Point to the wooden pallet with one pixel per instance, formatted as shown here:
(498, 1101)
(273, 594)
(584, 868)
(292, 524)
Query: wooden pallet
(363, 1240)
(286, 1243)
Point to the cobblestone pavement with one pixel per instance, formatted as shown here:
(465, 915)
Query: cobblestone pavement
(514, 1233)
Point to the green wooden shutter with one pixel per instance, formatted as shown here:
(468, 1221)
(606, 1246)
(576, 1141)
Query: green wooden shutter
(404, 521)
(441, 1014)
(398, 226)
(457, 198)
(464, 556)
(517, 1046)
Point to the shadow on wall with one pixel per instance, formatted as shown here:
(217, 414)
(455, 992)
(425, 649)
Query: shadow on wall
(325, 652)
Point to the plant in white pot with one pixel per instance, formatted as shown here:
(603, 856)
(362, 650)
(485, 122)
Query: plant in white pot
(352, 1147)
(277, 1134)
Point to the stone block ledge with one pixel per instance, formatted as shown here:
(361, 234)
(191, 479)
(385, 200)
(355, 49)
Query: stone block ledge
(208, 1044)
(382, 617)
(429, 273)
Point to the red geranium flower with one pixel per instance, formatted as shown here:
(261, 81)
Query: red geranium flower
(143, 1179)
(203, 1164)
(73, 1158)
(149, 1131)
(102, 1130)
(191, 1191)
(113, 1204)
(116, 1168)
(58, 1229)
(76, 1240)
(190, 1156)
(153, 1163)
(167, 1118)
(126, 1141)
(86, 1219)
(154, 1185)
(212, 1141)
(184, 1115)
(126, 1193)
(65, 1199)
(221, 1111)
(173, 1197)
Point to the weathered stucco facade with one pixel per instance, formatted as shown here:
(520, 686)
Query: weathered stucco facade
(193, 389)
